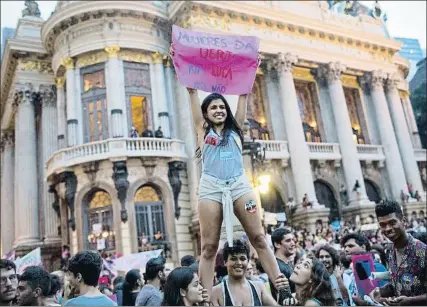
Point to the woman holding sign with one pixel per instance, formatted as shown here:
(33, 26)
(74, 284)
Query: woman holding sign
(224, 187)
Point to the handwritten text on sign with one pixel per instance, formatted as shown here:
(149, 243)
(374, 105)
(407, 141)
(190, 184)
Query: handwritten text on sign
(223, 64)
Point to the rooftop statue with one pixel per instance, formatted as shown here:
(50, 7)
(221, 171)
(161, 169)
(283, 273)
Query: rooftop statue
(31, 9)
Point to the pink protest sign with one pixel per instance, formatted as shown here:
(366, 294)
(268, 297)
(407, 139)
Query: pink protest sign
(224, 64)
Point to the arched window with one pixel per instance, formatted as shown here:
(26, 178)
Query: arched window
(272, 201)
(138, 96)
(150, 225)
(98, 221)
(372, 191)
(94, 101)
(325, 196)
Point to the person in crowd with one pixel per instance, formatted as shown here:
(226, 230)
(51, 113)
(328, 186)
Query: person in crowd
(118, 289)
(183, 288)
(158, 133)
(33, 287)
(82, 276)
(284, 249)
(55, 291)
(407, 260)
(131, 287)
(224, 184)
(107, 291)
(187, 260)
(148, 133)
(357, 243)
(329, 257)
(8, 282)
(379, 254)
(237, 290)
(312, 283)
(154, 276)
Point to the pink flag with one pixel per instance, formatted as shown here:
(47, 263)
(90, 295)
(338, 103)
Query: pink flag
(224, 64)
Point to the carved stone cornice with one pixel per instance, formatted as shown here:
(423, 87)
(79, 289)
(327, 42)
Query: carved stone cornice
(68, 63)
(48, 95)
(284, 62)
(113, 51)
(60, 81)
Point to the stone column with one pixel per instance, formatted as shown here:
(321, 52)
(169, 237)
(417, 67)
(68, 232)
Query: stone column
(300, 160)
(72, 121)
(60, 104)
(7, 191)
(276, 114)
(402, 134)
(412, 123)
(114, 82)
(49, 127)
(161, 99)
(27, 230)
(394, 164)
(352, 170)
(173, 115)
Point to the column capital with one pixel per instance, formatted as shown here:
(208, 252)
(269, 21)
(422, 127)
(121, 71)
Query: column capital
(168, 63)
(68, 63)
(285, 62)
(331, 72)
(48, 95)
(24, 94)
(392, 81)
(113, 51)
(376, 79)
(60, 81)
(157, 57)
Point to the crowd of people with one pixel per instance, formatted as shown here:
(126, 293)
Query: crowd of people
(321, 274)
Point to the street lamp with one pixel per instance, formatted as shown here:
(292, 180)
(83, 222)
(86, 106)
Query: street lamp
(263, 182)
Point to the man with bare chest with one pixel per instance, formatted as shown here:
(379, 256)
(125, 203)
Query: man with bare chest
(407, 260)
(237, 290)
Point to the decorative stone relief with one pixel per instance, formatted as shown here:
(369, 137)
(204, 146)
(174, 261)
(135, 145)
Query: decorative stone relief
(33, 65)
(68, 63)
(91, 59)
(113, 51)
(173, 174)
(70, 180)
(134, 56)
(120, 177)
(323, 169)
(31, 9)
(285, 62)
(376, 79)
(60, 81)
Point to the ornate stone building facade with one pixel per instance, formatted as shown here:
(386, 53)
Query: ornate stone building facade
(331, 108)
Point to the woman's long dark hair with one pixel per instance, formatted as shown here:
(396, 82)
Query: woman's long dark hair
(131, 281)
(178, 279)
(230, 123)
(320, 287)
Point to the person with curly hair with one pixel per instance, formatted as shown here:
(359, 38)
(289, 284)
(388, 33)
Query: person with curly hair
(312, 283)
(82, 278)
(329, 257)
(33, 287)
(183, 288)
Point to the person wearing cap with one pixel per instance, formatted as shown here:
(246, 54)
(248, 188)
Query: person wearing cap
(155, 277)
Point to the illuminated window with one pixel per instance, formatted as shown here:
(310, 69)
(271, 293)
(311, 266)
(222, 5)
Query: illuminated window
(138, 96)
(99, 222)
(307, 110)
(351, 97)
(94, 101)
(150, 223)
(256, 113)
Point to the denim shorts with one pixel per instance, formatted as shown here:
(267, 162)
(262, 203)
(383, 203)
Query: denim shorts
(212, 188)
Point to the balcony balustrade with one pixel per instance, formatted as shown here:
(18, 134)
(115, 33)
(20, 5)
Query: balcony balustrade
(114, 148)
(370, 152)
(324, 151)
(275, 150)
(420, 154)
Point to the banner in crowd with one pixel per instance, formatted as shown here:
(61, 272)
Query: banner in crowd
(363, 266)
(32, 258)
(134, 261)
(224, 64)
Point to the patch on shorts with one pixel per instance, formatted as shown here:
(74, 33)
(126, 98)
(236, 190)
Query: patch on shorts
(250, 206)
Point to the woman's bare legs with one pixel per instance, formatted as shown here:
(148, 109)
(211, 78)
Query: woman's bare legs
(252, 225)
(210, 220)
